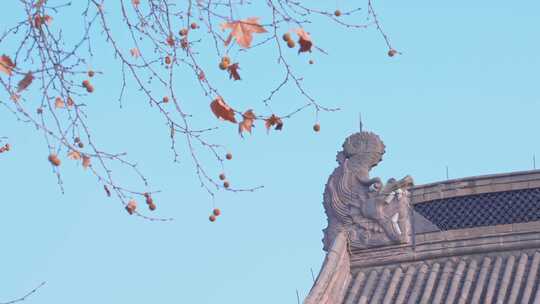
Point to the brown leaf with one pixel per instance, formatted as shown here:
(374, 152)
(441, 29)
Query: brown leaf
(47, 19)
(75, 155)
(247, 122)
(86, 161)
(233, 71)
(6, 65)
(304, 40)
(25, 82)
(273, 121)
(70, 102)
(201, 76)
(41, 20)
(37, 21)
(170, 40)
(59, 103)
(243, 31)
(135, 52)
(5, 148)
(222, 110)
(135, 2)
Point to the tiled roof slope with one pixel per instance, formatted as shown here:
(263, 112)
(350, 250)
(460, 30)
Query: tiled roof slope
(503, 278)
(497, 261)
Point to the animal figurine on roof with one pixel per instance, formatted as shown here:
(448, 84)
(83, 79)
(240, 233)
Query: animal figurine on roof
(372, 213)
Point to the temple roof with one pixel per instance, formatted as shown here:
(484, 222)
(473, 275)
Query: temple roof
(475, 240)
(503, 278)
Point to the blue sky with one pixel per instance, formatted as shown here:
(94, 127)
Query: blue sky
(464, 94)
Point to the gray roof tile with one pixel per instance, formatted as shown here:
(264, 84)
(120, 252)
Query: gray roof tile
(510, 277)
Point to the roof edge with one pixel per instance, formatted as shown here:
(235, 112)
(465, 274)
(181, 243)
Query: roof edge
(450, 243)
(334, 277)
(475, 185)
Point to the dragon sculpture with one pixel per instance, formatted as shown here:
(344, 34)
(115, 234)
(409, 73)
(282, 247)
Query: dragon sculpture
(372, 213)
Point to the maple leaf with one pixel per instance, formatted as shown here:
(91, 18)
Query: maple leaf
(40, 20)
(247, 122)
(70, 102)
(5, 148)
(273, 121)
(37, 21)
(222, 110)
(135, 52)
(47, 19)
(25, 82)
(243, 31)
(233, 71)
(170, 40)
(201, 76)
(86, 161)
(6, 65)
(304, 40)
(184, 43)
(75, 155)
(59, 103)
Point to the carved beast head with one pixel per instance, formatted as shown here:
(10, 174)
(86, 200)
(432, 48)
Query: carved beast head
(367, 145)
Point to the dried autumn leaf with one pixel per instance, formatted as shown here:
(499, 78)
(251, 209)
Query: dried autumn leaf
(59, 103)
(233, 71)
(304, 40)
(135, 52)
(273, 121)
(222, 110)
(6, 65)
(37, 21)
(47, 19)
(243, 31)
(170, 40)
(247, 122)
(40, 20)
(86, 161)
(75, 155)
(135, 2)
(184, 43)
(70, 102)
(5, 148)
(25, 82)
(201, 76)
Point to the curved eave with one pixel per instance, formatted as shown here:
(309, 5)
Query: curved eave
(475, 185)
(498, 263)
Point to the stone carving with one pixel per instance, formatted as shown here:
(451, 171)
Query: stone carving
(372, 213)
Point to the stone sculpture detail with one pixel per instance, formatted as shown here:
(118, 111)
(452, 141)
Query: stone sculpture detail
(372, 214)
